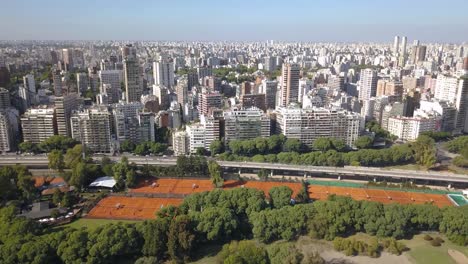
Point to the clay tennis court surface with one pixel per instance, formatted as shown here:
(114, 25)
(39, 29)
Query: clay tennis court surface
(130, 208)
(173, 186)
(384, 196)
(140, 208)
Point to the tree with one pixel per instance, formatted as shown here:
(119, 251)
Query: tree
(322, 144)
(216, 147)
(217, 224)
(454, 224)
(154, 233)
(292, 145)
(141, 149)
(130, 178)
(245, 252)
(127, 146)
(74, 249)
(28, 147)
(460, 161)
(280, 196)
(180, 239)
(200, 151)
(338, 144)
(56, 160)
(424, 151)
(57, 197)
(284, 253)
(106, 166)
(302, 196)
(215, 174)
(75, 155)
(363, 142)
(263, 174)
(57, 142)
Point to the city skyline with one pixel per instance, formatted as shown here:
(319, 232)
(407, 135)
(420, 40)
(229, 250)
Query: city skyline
(318, 21)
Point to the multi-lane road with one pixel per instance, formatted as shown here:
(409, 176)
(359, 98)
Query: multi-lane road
(41, 161)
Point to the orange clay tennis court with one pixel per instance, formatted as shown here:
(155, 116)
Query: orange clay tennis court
(130, 208)
(263, 186)
(174, 186)
(320, 192)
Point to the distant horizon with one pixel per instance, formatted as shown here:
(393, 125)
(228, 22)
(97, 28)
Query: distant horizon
(228, 41)
(358, 21)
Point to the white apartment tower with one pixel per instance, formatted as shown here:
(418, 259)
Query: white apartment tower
(38, 124)
(163, 73)
(367, 84)
(309, 124)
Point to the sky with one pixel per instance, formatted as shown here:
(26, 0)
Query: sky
(235, 20)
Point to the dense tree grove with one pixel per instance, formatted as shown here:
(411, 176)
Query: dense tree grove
(398, 154)
(458, 144)
(221, 216)
(57, 142)
(16, 183)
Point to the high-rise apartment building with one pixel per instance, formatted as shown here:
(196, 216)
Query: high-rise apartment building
(461, 103)
(289, 90)
(163, 73)
(57, 79)
(112, 78)
(253, 100)
(6, 134)
(64, 106)
(446, 88)
(409, 128)
(38, 124)
(245, 124)
(396, 44)
(270, 89)
(367, 84)
(92, 128)
(389, 87)
(209, 100)
(182, 91)
(309, 124)
(132, 75)
(82, 82)
(4, 98)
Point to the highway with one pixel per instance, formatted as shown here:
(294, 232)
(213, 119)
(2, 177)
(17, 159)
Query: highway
(41, 160)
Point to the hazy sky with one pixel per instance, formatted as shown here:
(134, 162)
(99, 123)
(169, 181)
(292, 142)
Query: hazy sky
(295, 20)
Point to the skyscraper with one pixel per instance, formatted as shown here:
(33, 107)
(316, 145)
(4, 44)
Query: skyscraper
(6, 135)
(82, 82)
(57, 79)
(112, 78)
(396, 44)
(367, 84)
(289, 90)
(133, 79)
(461, 103)
(403, 46)
(64, 105)
(163, 73)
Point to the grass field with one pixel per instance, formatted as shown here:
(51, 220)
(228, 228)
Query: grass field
(421, 252)
(93, 223)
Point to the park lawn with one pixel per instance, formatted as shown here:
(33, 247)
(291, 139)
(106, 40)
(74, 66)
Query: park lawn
(421, 251)
(94, 223)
